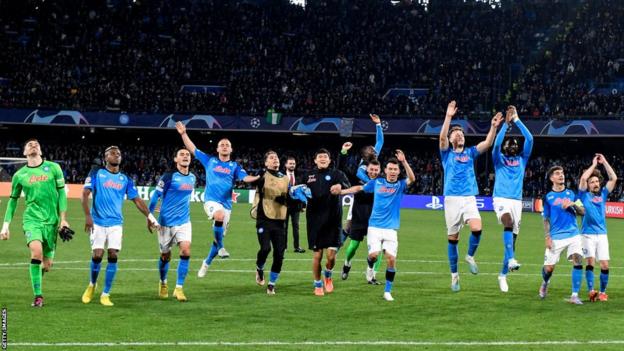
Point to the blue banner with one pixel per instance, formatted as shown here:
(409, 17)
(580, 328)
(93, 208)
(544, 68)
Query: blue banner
(293, 124)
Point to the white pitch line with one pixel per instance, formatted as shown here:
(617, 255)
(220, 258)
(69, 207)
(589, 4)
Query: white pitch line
(323, 343)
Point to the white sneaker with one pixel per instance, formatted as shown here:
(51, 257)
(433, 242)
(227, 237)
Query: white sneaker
(513, 265)
(223, 253)
(455, 282)
(474, 269)
(202, 270)
(370, 274)
(388, 297)
(502, 283)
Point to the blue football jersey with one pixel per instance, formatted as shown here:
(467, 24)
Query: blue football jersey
(562, 222)
(595, 218)
(175, 189)
(108, 190)
(459, 174)
(387, 202)
(509, 171)
(220, 177)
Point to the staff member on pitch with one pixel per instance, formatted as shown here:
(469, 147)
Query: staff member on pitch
(269, 209)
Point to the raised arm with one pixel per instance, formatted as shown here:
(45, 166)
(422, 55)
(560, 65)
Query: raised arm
(181, 128)
(588, 172)
(408, 170)
(498, 142)
(341, 162)
(489, 139)
(379, 137)
(528, 137)
(610, 172)
(451, 110)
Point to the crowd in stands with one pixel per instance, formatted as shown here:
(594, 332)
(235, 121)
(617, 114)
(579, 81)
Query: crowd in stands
(331, 57)
(145, 164)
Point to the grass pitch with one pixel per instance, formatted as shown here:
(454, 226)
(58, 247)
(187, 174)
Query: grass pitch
(227, 310)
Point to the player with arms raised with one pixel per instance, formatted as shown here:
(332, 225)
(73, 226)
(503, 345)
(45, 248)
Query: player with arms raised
(594, 226)
(460, 188)
(221, 172)
(385, 218)
(509, 166)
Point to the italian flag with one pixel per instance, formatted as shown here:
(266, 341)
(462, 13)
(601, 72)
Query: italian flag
(273, 117)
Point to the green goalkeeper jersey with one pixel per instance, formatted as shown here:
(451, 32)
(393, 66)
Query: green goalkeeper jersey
(44, 191)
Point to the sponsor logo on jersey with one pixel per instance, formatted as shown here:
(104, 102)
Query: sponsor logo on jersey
(112, 185)
(597, 199)
(311, 178)
(559, 201)
(35, 179)
(512, 163)
(387, 190)
(186, 186)
(462, 158)
(221, 169)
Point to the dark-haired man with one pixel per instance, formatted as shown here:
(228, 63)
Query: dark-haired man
(43, 185)
(175, 188)
(324, 217)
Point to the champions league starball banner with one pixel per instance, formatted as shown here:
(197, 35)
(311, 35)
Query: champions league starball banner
(342, 125)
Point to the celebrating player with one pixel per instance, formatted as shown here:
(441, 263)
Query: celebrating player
(360, 211)
(360, 176)
(594, 226)
(104, 220)
(385, 218)
(509, 165)
(270, 208)
(460, 188)
(175, 188)
(324, 214)
(43, 185)
(561, 232)
(221, 172)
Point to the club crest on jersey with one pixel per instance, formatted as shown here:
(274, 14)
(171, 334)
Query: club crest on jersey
(221, 169)
(112, 185)
(35, 179)
(327, 178)
(46, 169)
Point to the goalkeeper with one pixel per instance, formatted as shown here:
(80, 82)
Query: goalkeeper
(269, 210)
(43, 185)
